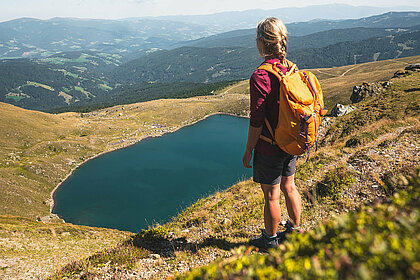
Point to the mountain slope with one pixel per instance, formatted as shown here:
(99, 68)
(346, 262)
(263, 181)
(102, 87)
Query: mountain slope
(246, 38)
(338, 178)
(57, 81)
(47, 246)
(39, 150)
(88, 80)
(347, 29)
(130, 38)
(214, 64)
(29, 37)
(345, 53)
(188, 64)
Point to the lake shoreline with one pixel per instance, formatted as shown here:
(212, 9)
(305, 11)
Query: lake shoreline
(52, 204)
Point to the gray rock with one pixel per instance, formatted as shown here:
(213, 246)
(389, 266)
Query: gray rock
(341, 110)
(365, 90)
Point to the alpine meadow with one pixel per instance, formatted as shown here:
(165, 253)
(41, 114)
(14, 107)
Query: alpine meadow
(75, 90)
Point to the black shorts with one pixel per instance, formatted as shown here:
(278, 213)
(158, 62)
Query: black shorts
(269, 169)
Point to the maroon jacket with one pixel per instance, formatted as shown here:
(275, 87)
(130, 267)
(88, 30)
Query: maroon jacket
(264, 91)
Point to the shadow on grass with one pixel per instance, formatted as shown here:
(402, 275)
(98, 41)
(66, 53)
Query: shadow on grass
(412, 89)
(167, 247)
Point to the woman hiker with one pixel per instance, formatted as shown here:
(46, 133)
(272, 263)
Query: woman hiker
(273, 168)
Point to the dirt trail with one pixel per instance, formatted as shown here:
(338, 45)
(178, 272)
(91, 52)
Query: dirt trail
(232, 87)
(354, 67)
(342, 75)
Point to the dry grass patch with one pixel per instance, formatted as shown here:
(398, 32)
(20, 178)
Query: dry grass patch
(337, 88)
(33, 250)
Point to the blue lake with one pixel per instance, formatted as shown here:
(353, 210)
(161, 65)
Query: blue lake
(152, 181)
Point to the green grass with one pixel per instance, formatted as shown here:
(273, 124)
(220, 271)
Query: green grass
(334, 182)
(65, 72)
(105, 87)
(375, 242)
(15, 98)
(223, 223)
(35, 84)
(376, 116)
(82, 90)
(37, 143)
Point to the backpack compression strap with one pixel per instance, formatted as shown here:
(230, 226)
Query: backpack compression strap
(269, 140)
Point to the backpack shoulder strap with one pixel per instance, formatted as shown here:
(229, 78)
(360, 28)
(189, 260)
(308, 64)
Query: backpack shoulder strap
(272, 68)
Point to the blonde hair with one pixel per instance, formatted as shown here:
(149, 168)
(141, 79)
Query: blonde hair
(272, 38)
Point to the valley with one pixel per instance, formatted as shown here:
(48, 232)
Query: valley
(88, 78)
(74, 89)
(364, 171)
(40, 150)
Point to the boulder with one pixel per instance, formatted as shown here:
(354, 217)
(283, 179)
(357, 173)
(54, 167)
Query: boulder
(341, 110)
(365, 90)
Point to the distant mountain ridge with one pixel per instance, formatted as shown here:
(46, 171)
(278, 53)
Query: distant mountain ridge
(226, 21)
(79, 79)
(230, 63)
(29, 37)
(244, 37)
(131, 38)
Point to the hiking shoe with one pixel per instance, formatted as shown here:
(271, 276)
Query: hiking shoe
(264, 242)
(281, 235)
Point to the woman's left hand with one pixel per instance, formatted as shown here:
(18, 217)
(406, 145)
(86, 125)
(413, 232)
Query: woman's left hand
(246, 159)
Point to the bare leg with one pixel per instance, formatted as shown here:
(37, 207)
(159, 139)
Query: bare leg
(272, 211)
(292, 198)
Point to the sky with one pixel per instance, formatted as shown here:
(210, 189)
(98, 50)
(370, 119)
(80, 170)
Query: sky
(114, 9)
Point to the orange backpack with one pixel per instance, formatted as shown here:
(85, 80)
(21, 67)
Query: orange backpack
(301, 107)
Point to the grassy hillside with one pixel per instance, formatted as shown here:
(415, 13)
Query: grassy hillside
(39, 150)
(337, 82)
(33, 250)
(375, 242)
(337, 179)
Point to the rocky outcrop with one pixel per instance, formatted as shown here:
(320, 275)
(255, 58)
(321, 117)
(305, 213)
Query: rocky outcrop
(413, 67)
(372, 89)
(407, 70)
(367, 90)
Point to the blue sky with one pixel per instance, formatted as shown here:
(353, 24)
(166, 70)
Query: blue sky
(11, 9)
